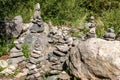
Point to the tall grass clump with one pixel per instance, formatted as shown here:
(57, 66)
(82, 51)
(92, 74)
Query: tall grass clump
(5, 45)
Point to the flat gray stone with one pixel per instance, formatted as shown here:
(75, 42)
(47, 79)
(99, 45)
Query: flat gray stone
(32, 72)
(53, 72)
(56, 67)
(53, 78)
(36, 29)
(14, 50)
(109, 35)
(35, 55)
(14, 55)
(16, 60)
(35, 60)
(30, 66)
(59, 53)
(63, 48)
(37, 52)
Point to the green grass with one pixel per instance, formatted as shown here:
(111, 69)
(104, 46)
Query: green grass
(25, 50)
(5, 45)
(15, 73)
(1, 69)
(67, 12)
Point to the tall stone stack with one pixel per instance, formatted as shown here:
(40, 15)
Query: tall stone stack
(38, 43)
(59, 55)
(92, 28)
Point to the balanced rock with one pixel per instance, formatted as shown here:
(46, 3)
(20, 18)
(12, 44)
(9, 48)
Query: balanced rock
(95, 59)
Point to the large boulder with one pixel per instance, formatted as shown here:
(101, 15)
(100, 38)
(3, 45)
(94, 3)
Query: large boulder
(96, 59)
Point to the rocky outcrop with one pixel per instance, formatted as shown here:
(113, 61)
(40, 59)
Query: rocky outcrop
(95, 59)
(55, 55)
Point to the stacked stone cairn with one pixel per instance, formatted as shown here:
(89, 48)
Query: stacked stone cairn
(63, 43)
(92, 28)
(109, 35)
(47, 52)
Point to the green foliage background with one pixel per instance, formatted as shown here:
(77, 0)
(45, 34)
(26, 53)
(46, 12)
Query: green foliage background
(66, 12)
(63, 11)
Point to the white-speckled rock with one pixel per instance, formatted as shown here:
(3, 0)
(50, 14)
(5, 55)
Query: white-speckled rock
(98, 56)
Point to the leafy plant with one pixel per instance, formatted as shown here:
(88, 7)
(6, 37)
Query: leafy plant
(25, 50)
(15, 72)
(74, 78)
(1, 69)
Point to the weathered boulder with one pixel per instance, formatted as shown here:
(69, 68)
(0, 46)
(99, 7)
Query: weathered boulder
(17, 26)
(95, 59)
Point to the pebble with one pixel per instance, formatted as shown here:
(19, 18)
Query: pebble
(14, 50)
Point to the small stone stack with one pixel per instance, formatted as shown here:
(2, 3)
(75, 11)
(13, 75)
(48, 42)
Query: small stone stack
(63, 43)
(109, 35)
(38, 42)
(92, 28)
(33, 36)
(37, 56)
(38, 25)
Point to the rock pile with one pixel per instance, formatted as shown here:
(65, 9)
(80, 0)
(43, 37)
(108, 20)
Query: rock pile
(52, 51)
(36, 39)
(63, 43)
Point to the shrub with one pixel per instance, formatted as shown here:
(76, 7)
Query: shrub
(5, 45)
